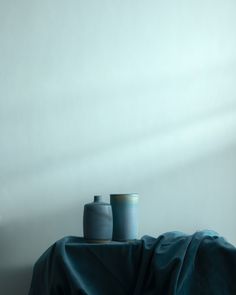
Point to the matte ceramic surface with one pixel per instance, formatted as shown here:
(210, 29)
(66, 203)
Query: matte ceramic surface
(97, 221)
(125, 216)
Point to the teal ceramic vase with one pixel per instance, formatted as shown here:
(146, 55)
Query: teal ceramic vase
(125, 216)
(97, 221)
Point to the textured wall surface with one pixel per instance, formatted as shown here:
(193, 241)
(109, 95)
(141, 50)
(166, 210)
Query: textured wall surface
(99, 97)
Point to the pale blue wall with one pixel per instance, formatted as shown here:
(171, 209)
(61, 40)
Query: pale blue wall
(113, 96)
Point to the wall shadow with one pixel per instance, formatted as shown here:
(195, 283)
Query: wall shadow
(15, 280)
(25, 239)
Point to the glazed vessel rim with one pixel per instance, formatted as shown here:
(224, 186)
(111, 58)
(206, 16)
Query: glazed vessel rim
(127, 194)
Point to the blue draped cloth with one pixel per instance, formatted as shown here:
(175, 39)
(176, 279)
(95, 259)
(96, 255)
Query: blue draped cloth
(172, 264)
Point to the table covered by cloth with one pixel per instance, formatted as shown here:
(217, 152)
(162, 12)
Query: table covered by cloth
(172, 264)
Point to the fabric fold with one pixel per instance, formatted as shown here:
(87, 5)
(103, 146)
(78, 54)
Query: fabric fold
(172, 264)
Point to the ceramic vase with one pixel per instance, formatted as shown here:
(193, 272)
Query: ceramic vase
(125, 216)
(97, 221)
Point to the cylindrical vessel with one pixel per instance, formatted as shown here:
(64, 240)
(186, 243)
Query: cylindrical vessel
(125, 216)
(97, 221)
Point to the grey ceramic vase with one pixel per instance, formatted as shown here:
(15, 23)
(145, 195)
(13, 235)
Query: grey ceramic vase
(125, 216)
(97, 221)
